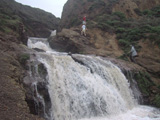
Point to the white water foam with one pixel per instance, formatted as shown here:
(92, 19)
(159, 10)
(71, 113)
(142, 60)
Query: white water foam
(137, 113)
(91, 89)
(40, 43)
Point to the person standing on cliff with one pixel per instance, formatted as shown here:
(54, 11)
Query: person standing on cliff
(83, 30)
(133, 54)
(84, 20)
(22, 33)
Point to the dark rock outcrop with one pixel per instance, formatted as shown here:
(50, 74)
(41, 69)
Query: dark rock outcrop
(20, 99)
(96, 42)
(12, 94)
(35, 84)
(70, 41)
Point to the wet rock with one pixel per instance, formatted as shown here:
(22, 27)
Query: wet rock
(12, 94)
(38, 50)
(36, 86)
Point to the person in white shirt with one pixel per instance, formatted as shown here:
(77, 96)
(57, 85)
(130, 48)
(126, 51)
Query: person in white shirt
(83, 30)
(133, 54)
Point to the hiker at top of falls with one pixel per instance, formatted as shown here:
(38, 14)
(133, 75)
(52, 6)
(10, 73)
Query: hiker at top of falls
(133, 54)
(83, 30)
(84, 20)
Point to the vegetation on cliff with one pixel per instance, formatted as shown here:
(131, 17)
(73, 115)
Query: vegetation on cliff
(128, 30)
(145, 84)
(36, 21)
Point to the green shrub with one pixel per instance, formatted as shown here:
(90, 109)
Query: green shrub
(147, 12)
(124, 57)
(152, 37)
(144, 82)
(124, 42)
(113, 1)
(97, 4)
(130, 31)
(90, 0)
(138, 12)
(156, 100)
(156, 11)
(75, 21)
(8, 23)
(113, 22)
(155, 29)
(23, 58)
(42, 71)
(126, 24)
(153, 12)
(120, 15)
(2, 22)
(122, 35)
(7, 30)
(105, 27)
(159, 44)
(145, 28)
(120, 30)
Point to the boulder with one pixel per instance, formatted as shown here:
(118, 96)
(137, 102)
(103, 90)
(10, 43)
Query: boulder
(69, 40)
(96, 42)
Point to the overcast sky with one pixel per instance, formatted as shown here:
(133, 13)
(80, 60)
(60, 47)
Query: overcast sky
(53, 6)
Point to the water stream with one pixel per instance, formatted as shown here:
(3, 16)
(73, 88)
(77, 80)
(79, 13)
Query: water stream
(85, 87)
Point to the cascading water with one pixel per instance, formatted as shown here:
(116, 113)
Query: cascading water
(37, 95)
(88, 88)
(134, 86)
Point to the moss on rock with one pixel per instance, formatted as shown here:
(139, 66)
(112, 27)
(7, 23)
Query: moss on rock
(144, 82)
(156, 100)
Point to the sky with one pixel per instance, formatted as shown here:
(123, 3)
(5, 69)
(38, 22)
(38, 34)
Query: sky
(53, 6)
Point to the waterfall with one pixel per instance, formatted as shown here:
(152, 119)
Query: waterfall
(37, 92)
(134, 87)
(88, 88)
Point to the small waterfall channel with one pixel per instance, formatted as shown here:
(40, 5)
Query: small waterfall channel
(85, 87)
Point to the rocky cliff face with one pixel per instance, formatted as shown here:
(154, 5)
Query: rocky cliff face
(12, 94)
(129, 7)
(37, 22)
(113, 25)
(74, 10)
(16, 23)
(100, 43)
